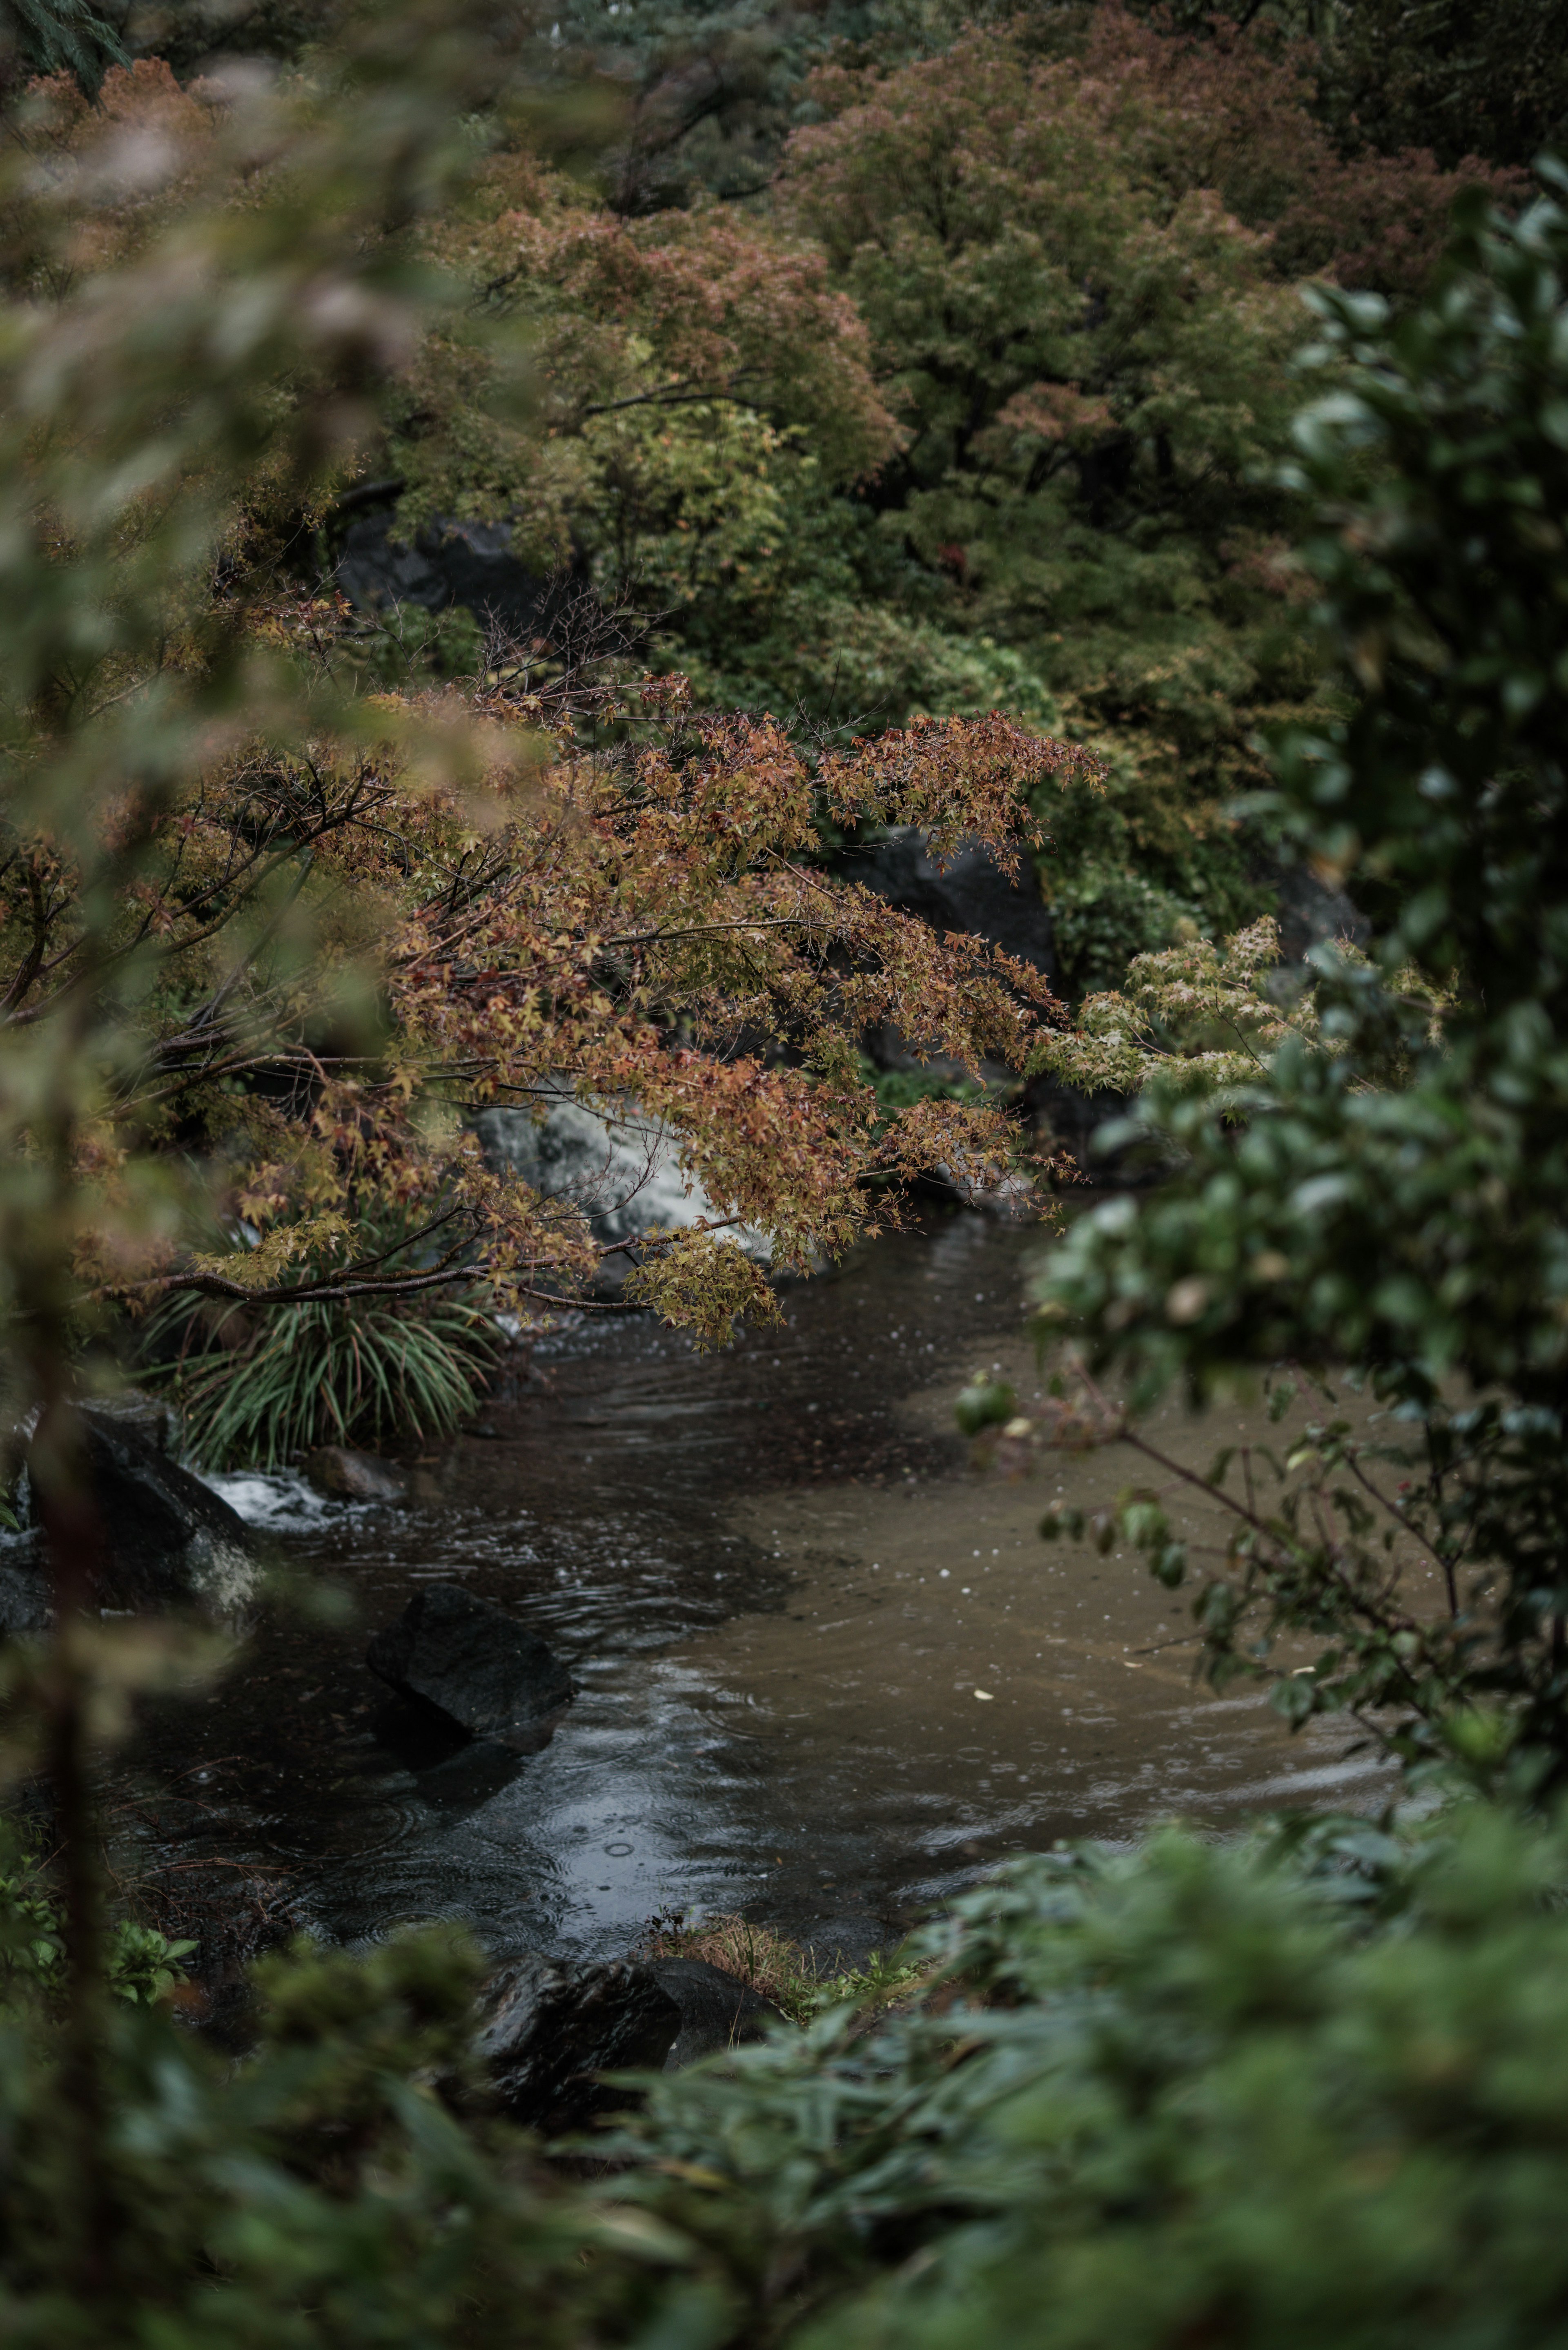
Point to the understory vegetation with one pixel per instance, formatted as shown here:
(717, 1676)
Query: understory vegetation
(926, 428)
(1303, 2090)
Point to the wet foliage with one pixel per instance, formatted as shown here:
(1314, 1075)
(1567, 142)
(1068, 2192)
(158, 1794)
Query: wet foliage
(1374, 1192)
(1304, 2088)
(284, 900)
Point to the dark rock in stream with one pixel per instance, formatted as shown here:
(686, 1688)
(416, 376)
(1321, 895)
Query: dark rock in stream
(167, 1541)
(456, 1653)
(548, 2026)
(346, 1476)
(718, 2010)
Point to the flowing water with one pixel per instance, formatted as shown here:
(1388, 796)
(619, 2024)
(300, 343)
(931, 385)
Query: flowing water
(825, 1672)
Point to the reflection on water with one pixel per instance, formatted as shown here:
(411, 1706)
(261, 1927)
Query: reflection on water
(823, 1673)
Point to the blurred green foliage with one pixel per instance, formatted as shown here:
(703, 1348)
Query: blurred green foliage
(1384, 1193)
(1299, 2089)
(1281, 2094)
(141, 1964)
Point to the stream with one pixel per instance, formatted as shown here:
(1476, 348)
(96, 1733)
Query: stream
(827, 1673)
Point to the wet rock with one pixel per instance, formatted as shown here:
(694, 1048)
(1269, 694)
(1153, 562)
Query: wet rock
(456, 1653)
(151, 1417)
(974, 893)
(446, 563)
(718, 2010)
(25, 1608)
(1011, 1200)
(169, 1541)
(458, 1774)
(623, 1174)
(346, 1476)
(548, 2026)
(1311, 914)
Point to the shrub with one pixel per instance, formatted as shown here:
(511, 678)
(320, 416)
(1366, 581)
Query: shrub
(1376, 1183)
(366, 1372)
(1305, 2090)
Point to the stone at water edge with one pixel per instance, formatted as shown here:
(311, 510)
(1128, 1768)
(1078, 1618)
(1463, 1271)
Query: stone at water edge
(151, 1417)
(24, 1600)
(718, 2010)
(548, 2025)
(169, 1538)
(169, 1541)
(622, 1170)
(456, 1652)
(343, 1475)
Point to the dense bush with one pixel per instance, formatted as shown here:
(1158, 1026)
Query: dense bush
(1306, 2089)
(984, 406)
(976, 404)
(1383, 1195)
(1181, 2093)
(1458, 80)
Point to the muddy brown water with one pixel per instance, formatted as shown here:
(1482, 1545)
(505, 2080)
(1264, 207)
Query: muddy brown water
(825, 1673)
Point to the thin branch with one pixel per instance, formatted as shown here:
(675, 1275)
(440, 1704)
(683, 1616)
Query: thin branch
(705, 930)
(1443, 1566)
(671, 398)
(645, 1240)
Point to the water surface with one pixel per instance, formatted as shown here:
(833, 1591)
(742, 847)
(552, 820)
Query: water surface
(825, 1672)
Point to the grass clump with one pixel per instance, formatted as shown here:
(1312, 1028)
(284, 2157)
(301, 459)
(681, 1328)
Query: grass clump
(780, 1970)
(258, 1388)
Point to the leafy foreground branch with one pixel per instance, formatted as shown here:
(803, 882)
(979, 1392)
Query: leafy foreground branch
(1373, 1185)
(1305, 2090)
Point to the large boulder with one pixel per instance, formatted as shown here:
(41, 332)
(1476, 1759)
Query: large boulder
(151, 1417)
(445, 563)
(623, 1172)
(167, 1540)
(971, 892)
(718, 2010)
(455, 1651)
(549, 2027)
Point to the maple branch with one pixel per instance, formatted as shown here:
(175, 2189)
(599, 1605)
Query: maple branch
(202, 1020)
(705, 930)
(665, 1240)
(672, 398)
